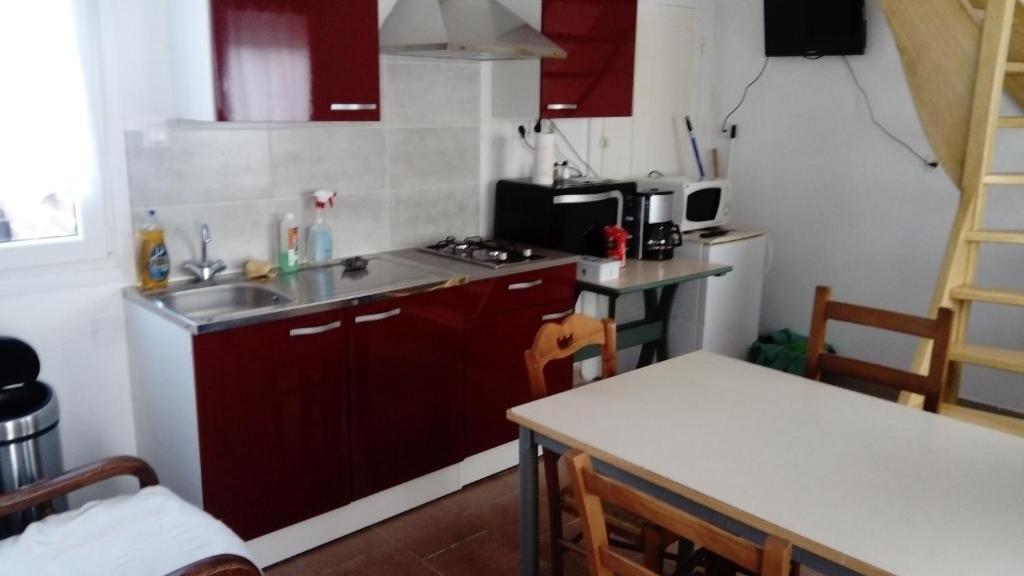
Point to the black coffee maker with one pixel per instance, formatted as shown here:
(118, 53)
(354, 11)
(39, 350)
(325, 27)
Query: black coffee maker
(648, 220)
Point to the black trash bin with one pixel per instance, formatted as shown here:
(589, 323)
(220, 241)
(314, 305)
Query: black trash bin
(29, 440)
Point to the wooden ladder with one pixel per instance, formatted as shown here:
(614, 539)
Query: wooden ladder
(956, 287)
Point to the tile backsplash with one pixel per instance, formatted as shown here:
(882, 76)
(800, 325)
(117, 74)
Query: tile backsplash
(411, 178)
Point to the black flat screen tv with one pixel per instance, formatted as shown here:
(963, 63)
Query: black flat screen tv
(814, 27)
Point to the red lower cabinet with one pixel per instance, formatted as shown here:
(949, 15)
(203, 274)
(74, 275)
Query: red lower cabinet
(496, 377)
(299, 417)
(407, 378)
(273, 436)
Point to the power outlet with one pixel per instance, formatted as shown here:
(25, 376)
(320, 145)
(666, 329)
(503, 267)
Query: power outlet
(155, 135)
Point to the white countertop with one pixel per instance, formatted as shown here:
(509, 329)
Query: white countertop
(639, 275)
(872, 485)
(732, 236)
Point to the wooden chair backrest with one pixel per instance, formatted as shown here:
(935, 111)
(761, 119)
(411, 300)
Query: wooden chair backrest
(592, 490)
(556, 341)
(820, 362)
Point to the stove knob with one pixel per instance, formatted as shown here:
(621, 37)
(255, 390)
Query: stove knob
(526, 252)
(502, 256)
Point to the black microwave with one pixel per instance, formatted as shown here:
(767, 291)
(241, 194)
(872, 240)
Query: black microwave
(569, 217)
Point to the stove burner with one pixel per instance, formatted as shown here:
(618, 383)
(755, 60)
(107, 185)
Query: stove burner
(476, 250)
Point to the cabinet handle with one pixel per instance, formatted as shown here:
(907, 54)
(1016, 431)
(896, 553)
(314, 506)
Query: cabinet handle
(378, 317)
(343, 107)
(557, 315)
(562, 106)
(312, 331)
(526, 285)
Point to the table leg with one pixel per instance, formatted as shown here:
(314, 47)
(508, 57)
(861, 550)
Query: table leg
(657, 309)
(611, 306)
(529, 553)
(668, 296)
(650, 314)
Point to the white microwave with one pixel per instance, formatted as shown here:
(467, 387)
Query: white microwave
(698, 204)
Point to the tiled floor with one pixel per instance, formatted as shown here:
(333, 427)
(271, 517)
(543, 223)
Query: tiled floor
(471, 532)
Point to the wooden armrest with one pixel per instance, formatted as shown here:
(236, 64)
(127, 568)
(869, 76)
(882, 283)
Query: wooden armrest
(50, 488)
(220, 565)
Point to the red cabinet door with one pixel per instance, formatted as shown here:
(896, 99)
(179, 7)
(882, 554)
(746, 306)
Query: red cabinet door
(520, 291)
(273, 436)
(596, 79)
(496, 378)
(407, 371)
(296, 60)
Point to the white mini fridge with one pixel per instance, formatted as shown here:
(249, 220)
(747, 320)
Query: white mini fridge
(721, 314)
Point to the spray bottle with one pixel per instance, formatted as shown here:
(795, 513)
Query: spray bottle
(320, 241)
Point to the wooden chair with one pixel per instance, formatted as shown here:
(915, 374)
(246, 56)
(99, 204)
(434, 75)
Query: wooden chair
(558, 341)
(820, 362)
(44, 491)
(593, 491)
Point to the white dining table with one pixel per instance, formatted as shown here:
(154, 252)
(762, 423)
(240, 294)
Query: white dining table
(859, 485)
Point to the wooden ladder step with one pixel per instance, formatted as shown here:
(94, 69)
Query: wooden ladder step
(1011, 122)
(1015, 179)
(1001, 422)
(996, 236)
(999, 358)
(1015, 67)
(976, 294)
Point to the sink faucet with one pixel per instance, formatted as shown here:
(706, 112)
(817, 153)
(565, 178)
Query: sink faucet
(204, 270)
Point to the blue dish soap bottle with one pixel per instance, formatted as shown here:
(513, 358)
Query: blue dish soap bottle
(321, 240)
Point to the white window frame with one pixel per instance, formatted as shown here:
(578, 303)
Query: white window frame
(94, 222)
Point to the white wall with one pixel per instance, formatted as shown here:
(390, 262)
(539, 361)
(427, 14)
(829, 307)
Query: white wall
(72, 314)
(845, 205)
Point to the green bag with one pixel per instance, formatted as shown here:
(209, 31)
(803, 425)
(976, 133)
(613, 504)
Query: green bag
(782, 350)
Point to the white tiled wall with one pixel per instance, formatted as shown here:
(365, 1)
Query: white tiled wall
(411, 178)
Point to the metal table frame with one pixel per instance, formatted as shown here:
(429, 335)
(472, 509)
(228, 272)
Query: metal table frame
(529, 530)
(651, 331)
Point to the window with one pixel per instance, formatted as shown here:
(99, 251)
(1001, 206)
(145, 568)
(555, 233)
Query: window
(49, 176)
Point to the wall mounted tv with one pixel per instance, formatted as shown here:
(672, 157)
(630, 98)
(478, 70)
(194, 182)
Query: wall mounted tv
(814, 27)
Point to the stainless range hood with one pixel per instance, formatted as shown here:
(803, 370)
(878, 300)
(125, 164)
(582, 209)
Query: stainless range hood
(462, 29)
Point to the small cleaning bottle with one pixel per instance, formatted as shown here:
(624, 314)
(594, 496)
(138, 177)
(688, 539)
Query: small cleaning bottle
(288, 253)
(154, 262)
(320, 242)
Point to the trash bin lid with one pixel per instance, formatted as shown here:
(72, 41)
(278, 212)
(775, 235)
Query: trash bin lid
(26, 410)
(19, 363)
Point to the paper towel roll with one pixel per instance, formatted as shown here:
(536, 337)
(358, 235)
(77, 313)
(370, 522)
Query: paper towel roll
(544, 160)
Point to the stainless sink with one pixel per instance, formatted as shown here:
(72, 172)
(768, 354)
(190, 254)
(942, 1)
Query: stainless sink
(213, 302)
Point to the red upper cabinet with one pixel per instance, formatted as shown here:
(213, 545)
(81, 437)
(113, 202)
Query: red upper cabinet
(295, 60)
(596, 80)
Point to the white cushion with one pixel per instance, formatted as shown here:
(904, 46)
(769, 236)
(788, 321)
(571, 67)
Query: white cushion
(150, 533)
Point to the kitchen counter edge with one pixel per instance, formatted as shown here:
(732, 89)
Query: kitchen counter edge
(438, 273)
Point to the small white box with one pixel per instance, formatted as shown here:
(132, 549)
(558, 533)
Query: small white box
(594, 269)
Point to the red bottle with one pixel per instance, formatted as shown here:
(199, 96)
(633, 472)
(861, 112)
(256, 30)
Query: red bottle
(615, 243)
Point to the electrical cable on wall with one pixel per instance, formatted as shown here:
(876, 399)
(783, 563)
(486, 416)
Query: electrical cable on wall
(871, 112)
(743, 98)
(572, 148)
(525, 140)
(537, 128)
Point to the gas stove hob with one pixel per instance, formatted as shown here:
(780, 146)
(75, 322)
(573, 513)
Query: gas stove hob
(492, 254)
